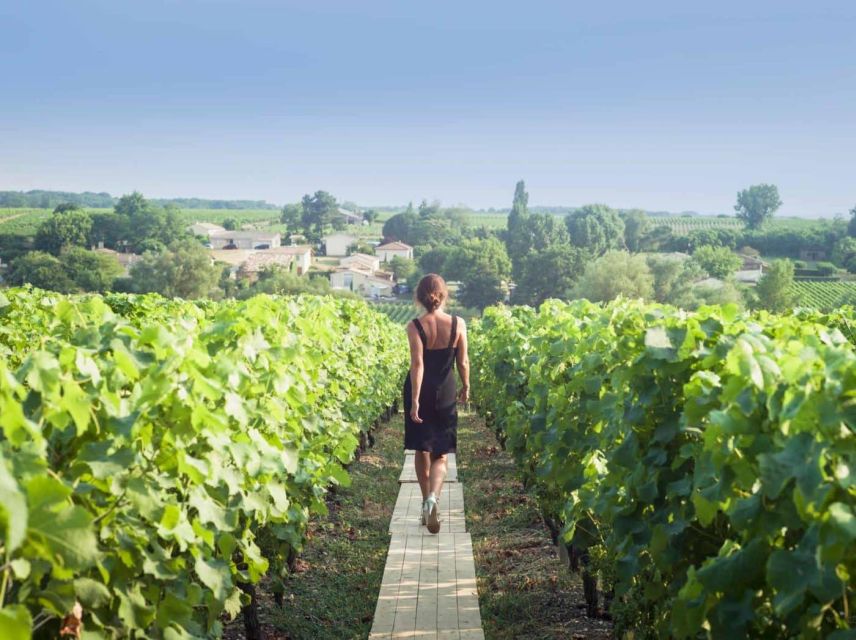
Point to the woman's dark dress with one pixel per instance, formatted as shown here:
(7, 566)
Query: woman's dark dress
(438, 432)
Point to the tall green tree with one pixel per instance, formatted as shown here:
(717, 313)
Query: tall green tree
(757, 204)
(719, 262)
(292, 215)
(615, 273)
(184, 271)
(595, 228)
(636, 225)
(147, 222)
(548, 273)
(851, 226)
(90, 270)
(481, 265)
(68, 227)
(319, 211)
(774, 288)
(42, 270)
(518, 241)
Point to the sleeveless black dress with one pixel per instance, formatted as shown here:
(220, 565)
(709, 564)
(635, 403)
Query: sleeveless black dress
(438, 432)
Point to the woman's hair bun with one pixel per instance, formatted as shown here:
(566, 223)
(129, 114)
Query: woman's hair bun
(431, 292)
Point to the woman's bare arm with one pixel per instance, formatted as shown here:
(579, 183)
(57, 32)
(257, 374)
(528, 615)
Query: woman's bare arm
(417, 370)
(463, 362)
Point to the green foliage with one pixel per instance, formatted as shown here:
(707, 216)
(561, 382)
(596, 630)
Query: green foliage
(774, 288)
(65, 228)
(595, 229)
(844, 254)
(706, 456)
(548, 273)
(636, 226)
(184, 271)
(757, 204)
(718, 262)
(402, 268)
(614, 274)
(318, 211)
(279, 280)
(90, 270)
(851, 225)
(156, 453)
(42, 270)
(230, 224)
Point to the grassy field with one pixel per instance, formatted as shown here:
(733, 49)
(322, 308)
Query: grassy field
(824, 296)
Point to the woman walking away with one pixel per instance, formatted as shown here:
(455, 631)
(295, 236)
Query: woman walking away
(437, 342)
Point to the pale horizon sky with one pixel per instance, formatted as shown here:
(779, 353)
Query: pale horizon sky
(662, 106)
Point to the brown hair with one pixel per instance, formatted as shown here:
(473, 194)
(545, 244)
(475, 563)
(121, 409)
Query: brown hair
(431, 292)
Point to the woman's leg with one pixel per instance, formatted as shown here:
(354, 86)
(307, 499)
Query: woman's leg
(422, 460)
(438, 474)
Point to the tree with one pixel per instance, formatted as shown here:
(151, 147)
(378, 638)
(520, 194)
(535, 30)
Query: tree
(595, 228)
(41, 270)
(615, 273)
(319, 211)
(517, 240)
(549, 273)
(63, 207)
(851, 226)
(65, 228)
(636, 225)
(148, 222)
(481, 265)
(90, 270)
(774, 288)
(400, 226)
(370, 215)
(230, 224)
(718, 262)
(402, 268)
(292, 215)
(680, 282)
(184, 270)
(844, 254)
(757, 204)
(481, 289)
(278, 280)
(429, 210)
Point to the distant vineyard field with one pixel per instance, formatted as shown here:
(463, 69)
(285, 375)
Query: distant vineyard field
(824, 296)
(26, 221)
(399, 312)
(682, 225)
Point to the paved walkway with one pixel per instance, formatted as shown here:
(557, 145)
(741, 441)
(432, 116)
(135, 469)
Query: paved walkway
(429, 583)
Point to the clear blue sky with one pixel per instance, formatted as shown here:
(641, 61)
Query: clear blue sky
(660, 105)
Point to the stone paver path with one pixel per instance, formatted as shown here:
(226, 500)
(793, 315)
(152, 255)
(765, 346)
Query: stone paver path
(429, 582)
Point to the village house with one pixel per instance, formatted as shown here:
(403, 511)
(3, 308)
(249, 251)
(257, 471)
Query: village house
(248, 263)
(125, 260)
(361, 259)
(350, 217)
(244, 240)
(205, 229)
(337, 244)
(363, 281)
(390, 250)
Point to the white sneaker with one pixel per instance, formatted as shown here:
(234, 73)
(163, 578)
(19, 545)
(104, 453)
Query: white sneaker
(431, 513)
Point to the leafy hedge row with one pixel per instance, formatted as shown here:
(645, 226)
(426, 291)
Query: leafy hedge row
(145, 456)
(709, 457)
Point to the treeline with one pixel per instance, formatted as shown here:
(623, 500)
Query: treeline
(41, 199)
(161, 256)
(600, 253)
